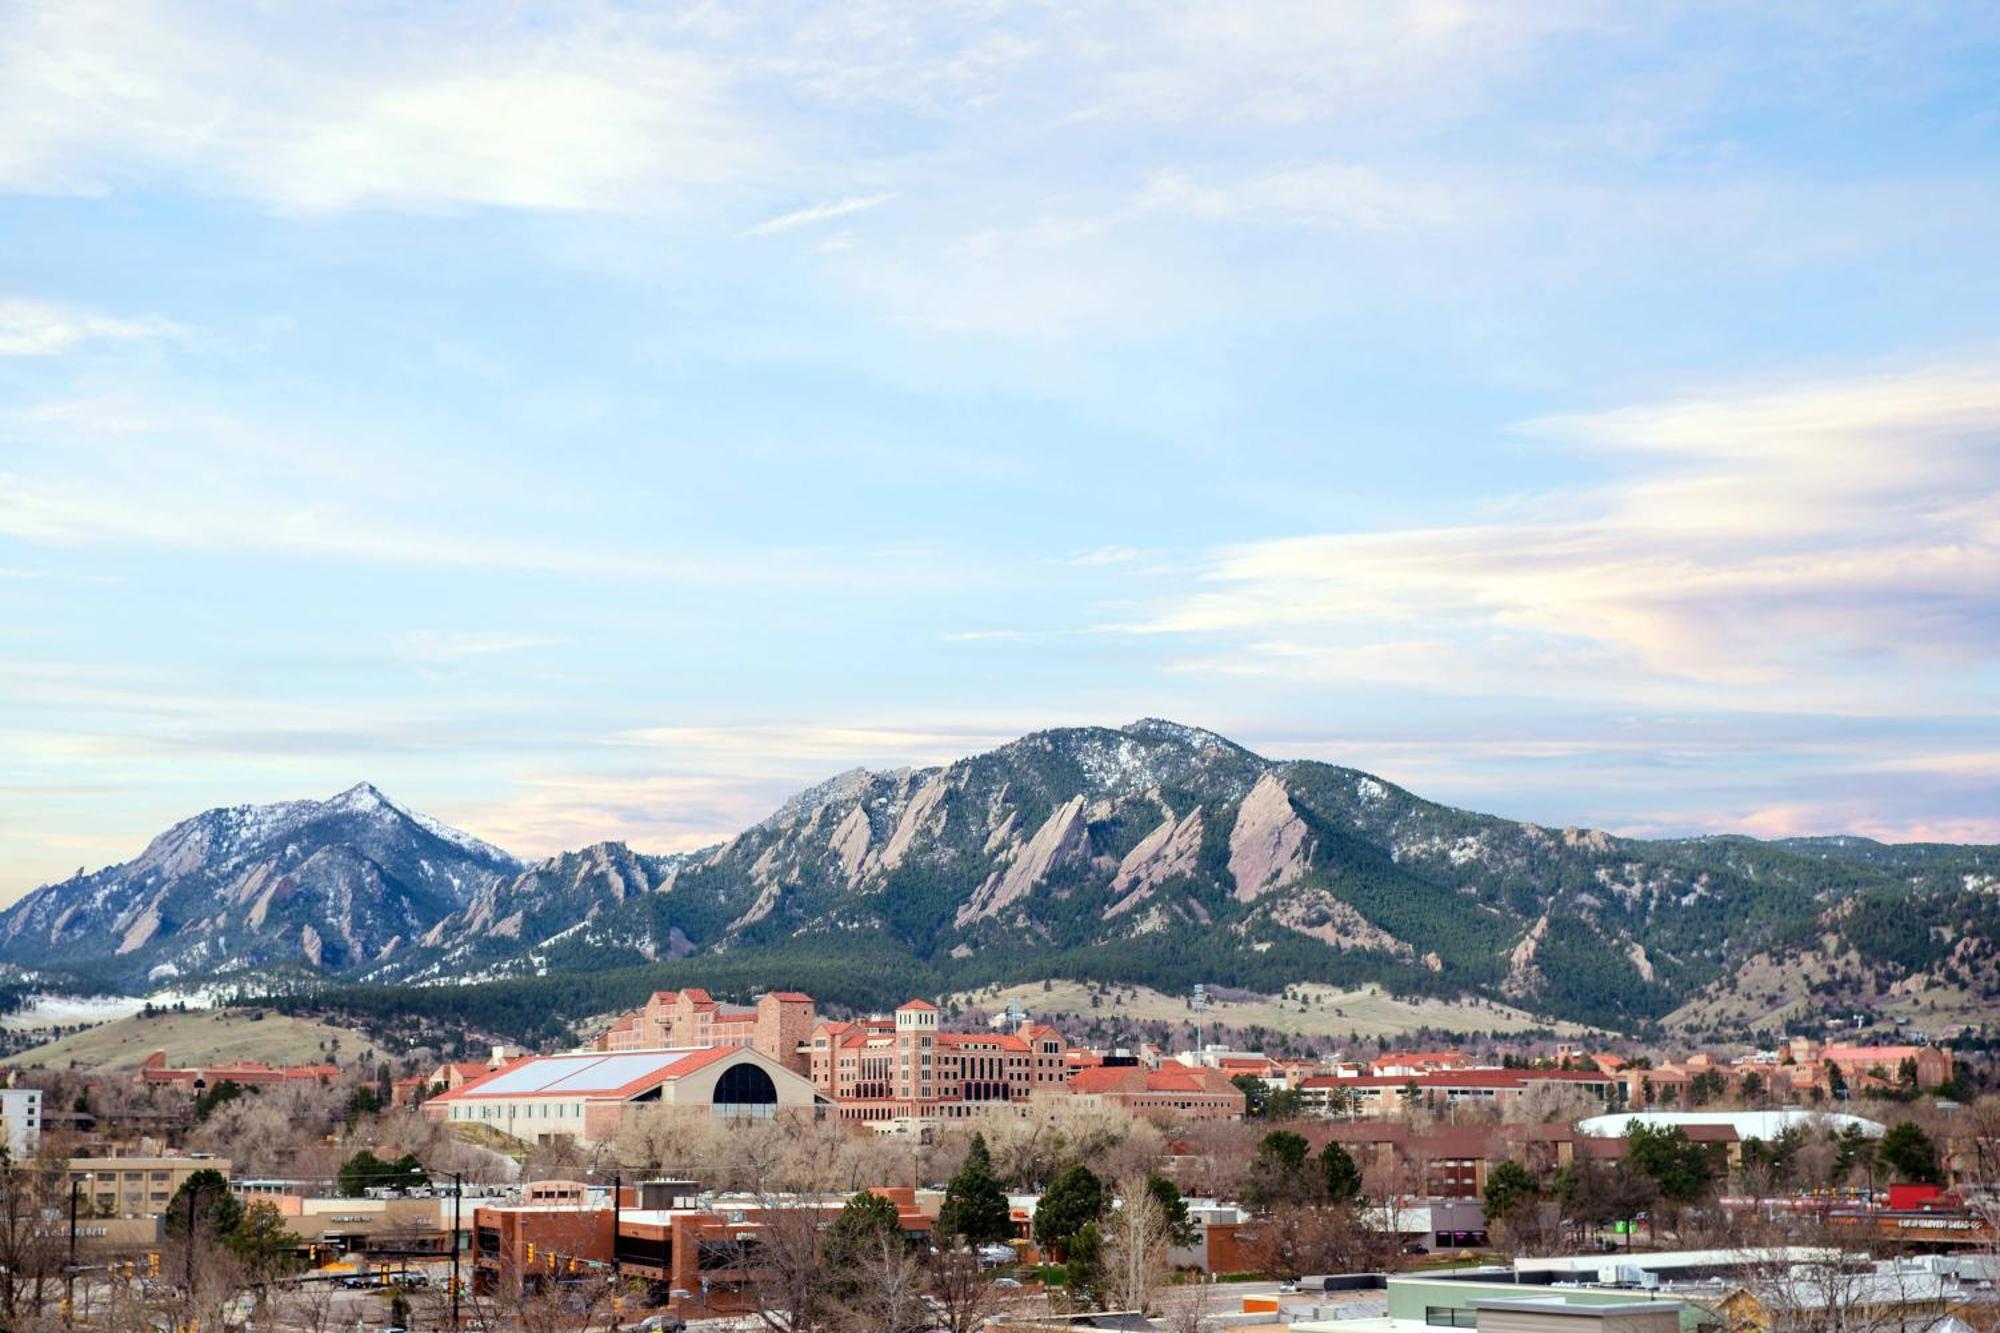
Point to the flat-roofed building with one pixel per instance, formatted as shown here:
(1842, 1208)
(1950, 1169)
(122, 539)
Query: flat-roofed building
(1559, 1316)
(1378, 1094)
(136, 1186)
(21, 1121)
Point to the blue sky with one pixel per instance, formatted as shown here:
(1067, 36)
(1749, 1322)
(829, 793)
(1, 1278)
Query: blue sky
(592, 421)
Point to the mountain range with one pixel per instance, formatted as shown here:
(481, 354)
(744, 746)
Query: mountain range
(1154, 853)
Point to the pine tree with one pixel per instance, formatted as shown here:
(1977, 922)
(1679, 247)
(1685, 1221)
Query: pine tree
(1073, 1200)
(975, 1207)
(1341, 1177)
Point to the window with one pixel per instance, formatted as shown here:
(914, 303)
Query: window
(745, 1090)
(1450, 1316)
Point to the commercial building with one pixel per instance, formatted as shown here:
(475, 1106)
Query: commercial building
(585, 1096)
(136, 1186)
(663, 1232)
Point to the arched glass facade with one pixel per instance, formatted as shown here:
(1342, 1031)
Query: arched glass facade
(745, 1090)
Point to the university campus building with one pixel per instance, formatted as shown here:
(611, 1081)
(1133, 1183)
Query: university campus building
(884, 1070)
(587, 1095)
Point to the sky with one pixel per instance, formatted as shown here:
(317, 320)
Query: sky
(595, 421)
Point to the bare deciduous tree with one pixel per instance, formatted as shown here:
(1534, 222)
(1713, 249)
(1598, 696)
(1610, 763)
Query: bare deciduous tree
(1137, 1237)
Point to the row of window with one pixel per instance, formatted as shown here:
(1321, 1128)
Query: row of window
(528, 1111)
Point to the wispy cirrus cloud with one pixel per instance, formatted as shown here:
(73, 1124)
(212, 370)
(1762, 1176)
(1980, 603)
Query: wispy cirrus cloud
(432, 647)
(807, 747)
(48, 328)
(1816, 537)
(817, 214)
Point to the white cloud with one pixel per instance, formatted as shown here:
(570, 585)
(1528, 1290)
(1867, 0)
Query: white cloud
(1809, 541)
(46, 328)
(818, 213)
(1331, 195)
(440, 647)
(806, 747)
(563, 115)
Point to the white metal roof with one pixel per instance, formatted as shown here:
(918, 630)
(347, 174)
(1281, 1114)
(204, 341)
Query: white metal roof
(579, 1075)
(1747, 1124)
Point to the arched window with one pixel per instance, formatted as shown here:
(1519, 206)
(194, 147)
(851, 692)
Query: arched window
(745, 1090)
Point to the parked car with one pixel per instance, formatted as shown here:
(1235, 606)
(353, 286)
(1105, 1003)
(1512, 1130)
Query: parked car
(666, 1321)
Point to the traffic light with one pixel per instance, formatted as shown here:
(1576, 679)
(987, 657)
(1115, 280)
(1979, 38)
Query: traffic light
(153, 1263)
(531, 1252)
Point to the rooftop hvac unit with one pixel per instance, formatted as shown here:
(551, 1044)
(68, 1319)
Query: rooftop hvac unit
(666, 1194)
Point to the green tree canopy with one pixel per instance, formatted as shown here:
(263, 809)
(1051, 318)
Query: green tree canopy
(1909, 1152)
(1073, 1200)
(365, 1171)
(1677, 1165)
(261, 1240)
(866, 1225)
(1340, 1177)
(216, 1211)
(1256, 1095)
(1083, 1261)
(1180, 1228)
(225, 1091)
(1509, 1186)
(1278, 1172)
(975, 1206)
(1285, 1148)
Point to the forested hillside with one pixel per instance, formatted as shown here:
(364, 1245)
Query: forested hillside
(1154, 853)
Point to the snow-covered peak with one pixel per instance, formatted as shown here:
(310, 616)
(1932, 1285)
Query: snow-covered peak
(360, 799)
(1180, 733)
(365, 798)
(221, 835)
(840, 787)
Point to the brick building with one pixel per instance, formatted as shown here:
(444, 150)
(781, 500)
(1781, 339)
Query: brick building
(1388, 1095)
(661, 1233)
(905, 1067)
(778, 1024)
(1173, 1092)
(155, 1073)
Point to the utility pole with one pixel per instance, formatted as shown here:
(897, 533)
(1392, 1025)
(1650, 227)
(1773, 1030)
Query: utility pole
(69, 1270)
(457, 1195)
(617, 1290)
(194, 1194)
